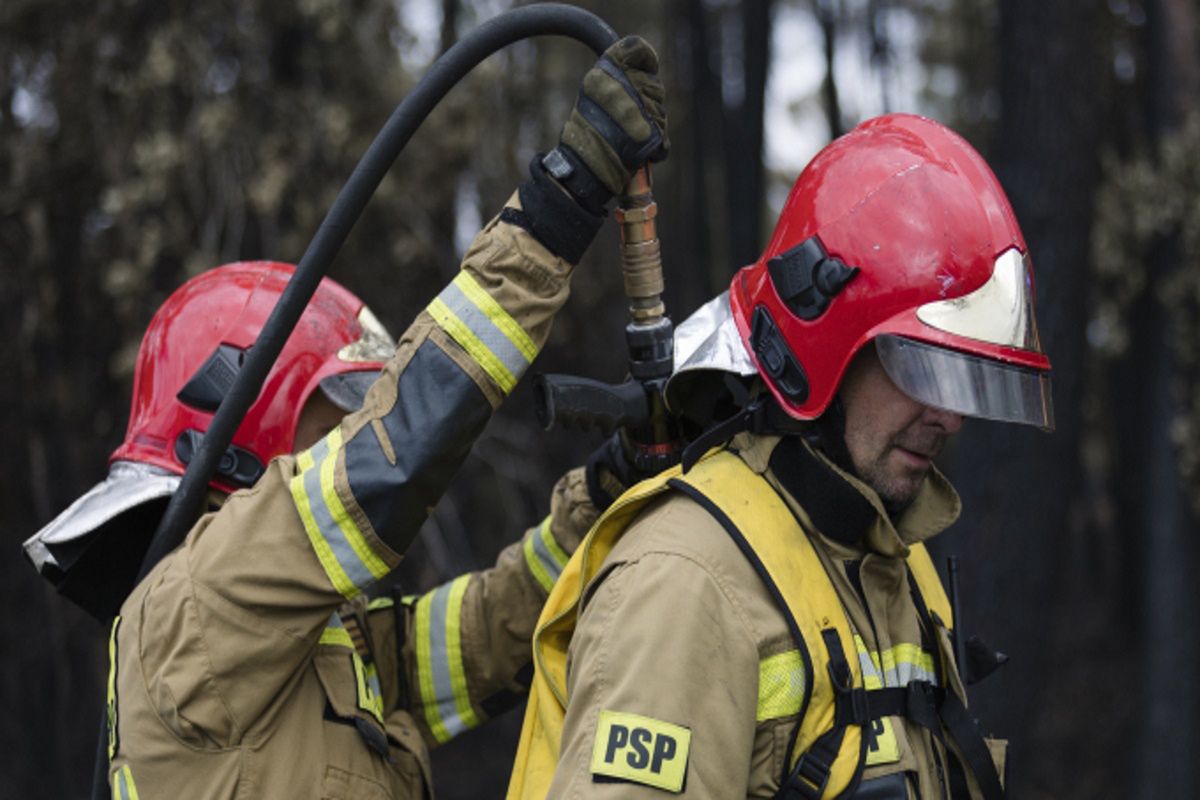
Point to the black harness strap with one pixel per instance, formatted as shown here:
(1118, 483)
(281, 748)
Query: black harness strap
(925, 704)
(808, 778)
(965, 733)
(955, 718)
(917, 702)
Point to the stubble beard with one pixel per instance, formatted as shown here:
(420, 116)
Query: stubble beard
(897, 484)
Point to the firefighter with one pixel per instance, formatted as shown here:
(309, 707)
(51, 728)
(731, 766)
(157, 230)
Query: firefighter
(764, 621)
(249, 662)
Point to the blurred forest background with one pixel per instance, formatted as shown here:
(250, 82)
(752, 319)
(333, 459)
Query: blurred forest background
(141, 143)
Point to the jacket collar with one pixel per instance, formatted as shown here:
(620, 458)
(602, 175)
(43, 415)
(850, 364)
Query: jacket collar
(843, 508)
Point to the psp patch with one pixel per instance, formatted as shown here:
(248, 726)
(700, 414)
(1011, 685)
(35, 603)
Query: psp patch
(634, 748)
(882, 747)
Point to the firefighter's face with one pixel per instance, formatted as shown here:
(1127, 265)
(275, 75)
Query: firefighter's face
(892, 438)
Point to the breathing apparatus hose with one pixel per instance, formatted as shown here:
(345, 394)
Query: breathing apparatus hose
(542, 19)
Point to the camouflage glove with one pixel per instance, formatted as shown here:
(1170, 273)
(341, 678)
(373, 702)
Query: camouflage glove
(618, 124)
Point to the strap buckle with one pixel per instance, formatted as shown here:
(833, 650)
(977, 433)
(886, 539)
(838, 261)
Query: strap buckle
(850, 705)
(923, 702)
(808, 779)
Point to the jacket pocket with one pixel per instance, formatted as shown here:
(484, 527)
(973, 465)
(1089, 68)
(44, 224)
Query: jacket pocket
(341, 784)
(362, 762)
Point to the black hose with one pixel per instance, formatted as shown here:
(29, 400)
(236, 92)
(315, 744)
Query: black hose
(186, 503)
(522, 23)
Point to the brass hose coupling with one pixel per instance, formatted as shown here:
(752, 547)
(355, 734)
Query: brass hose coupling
(641, 256)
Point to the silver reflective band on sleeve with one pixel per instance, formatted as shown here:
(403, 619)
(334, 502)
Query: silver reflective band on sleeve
(482, 327)
(123, 787)
(999, 312)
(342, 548)
(967, 384)
(543, 555)
(442, 678)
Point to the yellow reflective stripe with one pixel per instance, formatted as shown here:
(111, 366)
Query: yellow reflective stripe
(338, 637)
(535, 564)
(552, 545)
(111, 703)
(907, 653)
(896, 666)
(442, 676)
(373, 684)
(425, 670)
(123, 787)
(380, 602)
(869, 663)
(544, 556)
(780, 685)
(333, 570)
(368, 700)
(341, 547)
(353, 535)
(458, 673)
(496, 313)
(907, 662)
(475, 348)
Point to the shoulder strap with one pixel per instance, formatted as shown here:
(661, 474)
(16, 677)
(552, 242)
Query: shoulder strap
(827, 746)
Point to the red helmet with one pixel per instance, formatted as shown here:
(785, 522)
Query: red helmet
(897, 233)
(195, 344)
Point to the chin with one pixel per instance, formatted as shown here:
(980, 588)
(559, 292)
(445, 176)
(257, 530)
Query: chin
(902, 491)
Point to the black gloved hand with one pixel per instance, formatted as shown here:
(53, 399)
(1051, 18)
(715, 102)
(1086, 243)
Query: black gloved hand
(610, 471)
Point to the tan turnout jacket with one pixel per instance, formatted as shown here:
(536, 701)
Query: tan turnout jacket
(678, 628)
(249, 663)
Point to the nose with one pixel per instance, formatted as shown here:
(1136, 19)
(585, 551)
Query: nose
(948, 421)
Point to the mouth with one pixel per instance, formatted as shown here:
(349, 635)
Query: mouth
(913, 458)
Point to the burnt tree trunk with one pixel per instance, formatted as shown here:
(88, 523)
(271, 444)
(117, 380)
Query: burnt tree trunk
(1019, 486)
(1155, 507)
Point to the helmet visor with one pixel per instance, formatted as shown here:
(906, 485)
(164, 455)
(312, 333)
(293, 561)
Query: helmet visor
(967, 384)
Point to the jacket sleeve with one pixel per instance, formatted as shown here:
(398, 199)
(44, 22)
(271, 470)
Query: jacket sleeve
(467, 652)
(227, 620)
(662, 684)
(364, 490)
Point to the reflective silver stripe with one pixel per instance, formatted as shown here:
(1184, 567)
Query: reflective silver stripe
(904, 663)
(123, 787)
(906, 673)
(552, 565)
(439, 654)
(899, 668)
(491, 336)
(357, 571)
(869, 670)
(373, 681)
